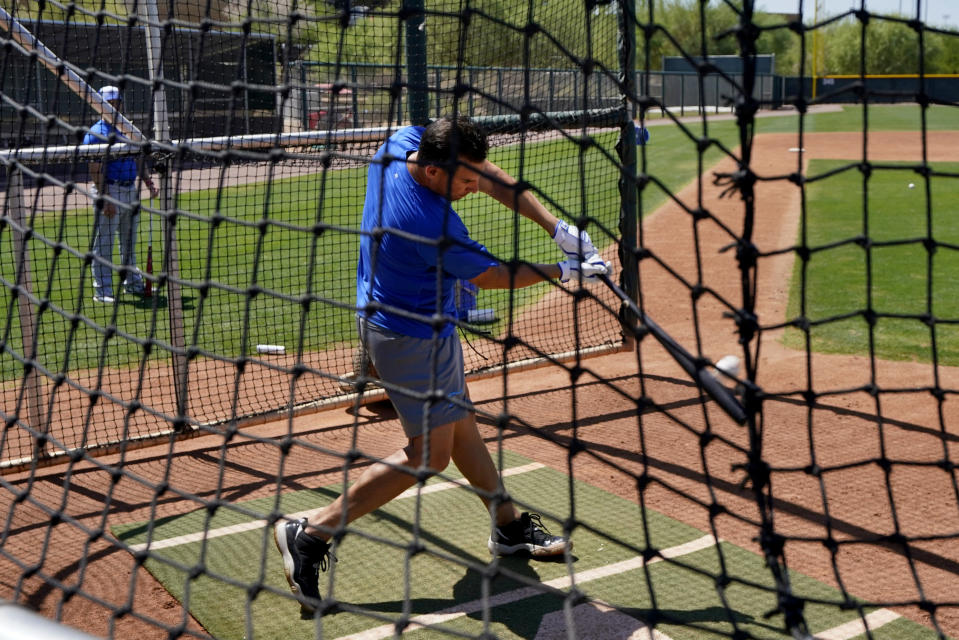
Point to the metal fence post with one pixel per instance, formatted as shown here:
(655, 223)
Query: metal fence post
(626, 148)
(438, 78)
(30, 391)
(499, 90)
(304, 105)
(470, 99)
(171, 268)
(416, 75)
(354, 100)
(682, 95)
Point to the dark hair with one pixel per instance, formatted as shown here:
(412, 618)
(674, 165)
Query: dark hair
(446, 139)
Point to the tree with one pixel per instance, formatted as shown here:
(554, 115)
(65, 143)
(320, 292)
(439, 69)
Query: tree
(694, 28)
(891, 47)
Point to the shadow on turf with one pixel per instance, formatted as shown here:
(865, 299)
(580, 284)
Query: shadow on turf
(140, 301)
(689, 617)
(522, 620)
(524, 616)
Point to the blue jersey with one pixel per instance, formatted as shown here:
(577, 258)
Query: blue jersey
(411, 275)
(117, 170)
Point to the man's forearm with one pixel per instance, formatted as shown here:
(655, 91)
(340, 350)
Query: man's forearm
(96, 176)
(499, 276)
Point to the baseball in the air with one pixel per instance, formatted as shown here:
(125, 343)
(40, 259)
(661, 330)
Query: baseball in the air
(912, 185)
(729, 365)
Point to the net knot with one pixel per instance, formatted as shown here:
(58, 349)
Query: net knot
(733, 181)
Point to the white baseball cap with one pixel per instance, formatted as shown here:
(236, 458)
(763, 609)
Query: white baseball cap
(110, 93)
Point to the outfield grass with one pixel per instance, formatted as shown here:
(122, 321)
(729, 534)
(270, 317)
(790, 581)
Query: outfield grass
(899, 280)
(885, 117)
(297, 237)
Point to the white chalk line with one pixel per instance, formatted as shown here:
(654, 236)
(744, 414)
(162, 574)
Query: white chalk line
(856, 627)
(259, 524)
(844, 631)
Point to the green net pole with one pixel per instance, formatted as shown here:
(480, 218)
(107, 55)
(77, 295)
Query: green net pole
(416, 76)
(626, 147)
(29, 406)
(149, 13)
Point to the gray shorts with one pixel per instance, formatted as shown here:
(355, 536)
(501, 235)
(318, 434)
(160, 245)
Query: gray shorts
(407, 363)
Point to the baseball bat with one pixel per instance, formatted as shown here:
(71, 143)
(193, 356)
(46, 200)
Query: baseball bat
(148, 285)
(723, 397)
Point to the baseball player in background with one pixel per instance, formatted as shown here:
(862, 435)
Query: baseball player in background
(115, 179)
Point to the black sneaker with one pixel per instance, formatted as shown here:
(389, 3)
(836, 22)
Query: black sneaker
(528, 534)
(303, 557)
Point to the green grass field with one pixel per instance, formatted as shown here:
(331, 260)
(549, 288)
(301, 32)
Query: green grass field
(899, 280)
(296, 238)
(292, 238)
(375, 576)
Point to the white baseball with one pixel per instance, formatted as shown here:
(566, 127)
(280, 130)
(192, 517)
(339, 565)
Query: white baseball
(912, 186)
(729, 365)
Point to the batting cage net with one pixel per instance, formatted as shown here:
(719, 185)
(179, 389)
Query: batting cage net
(724, 410)
(258, 286)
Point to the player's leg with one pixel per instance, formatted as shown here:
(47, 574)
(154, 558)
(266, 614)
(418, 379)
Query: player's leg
(304, 544)
(385, 480)
(127, 227)
(407, 364)
(104, 231)
(472, 458)
(513, 532)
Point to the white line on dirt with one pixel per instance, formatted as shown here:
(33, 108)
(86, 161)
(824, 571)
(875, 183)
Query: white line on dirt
(258, 524)
(856, 627)
(445, 615)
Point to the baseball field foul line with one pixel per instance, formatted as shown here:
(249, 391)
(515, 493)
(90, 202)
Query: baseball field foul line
(856, 627)
(445, 615)
(259, 524)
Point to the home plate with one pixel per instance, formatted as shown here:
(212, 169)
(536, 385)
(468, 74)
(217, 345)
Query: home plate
(796, 149)
(596, 621)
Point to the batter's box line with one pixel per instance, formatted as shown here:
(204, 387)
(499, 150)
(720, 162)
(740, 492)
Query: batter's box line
(844, 631)
(242, 527)
(509, 597)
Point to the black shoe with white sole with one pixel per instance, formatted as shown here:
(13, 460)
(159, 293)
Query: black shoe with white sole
(303, 558)
(529, 535)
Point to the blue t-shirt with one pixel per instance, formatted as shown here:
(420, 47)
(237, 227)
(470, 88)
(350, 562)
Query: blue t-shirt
(119, 169)
(405, 274)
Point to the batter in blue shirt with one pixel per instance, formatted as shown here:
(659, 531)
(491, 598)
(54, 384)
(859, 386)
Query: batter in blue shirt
(406, 268)
(413, 249)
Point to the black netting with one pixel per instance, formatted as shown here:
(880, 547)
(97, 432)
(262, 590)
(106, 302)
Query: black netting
(163, 412)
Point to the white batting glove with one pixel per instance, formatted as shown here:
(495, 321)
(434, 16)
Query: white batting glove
(572, 241)
(589, 268)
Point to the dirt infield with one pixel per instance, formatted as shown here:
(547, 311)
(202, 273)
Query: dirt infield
(857, 499)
